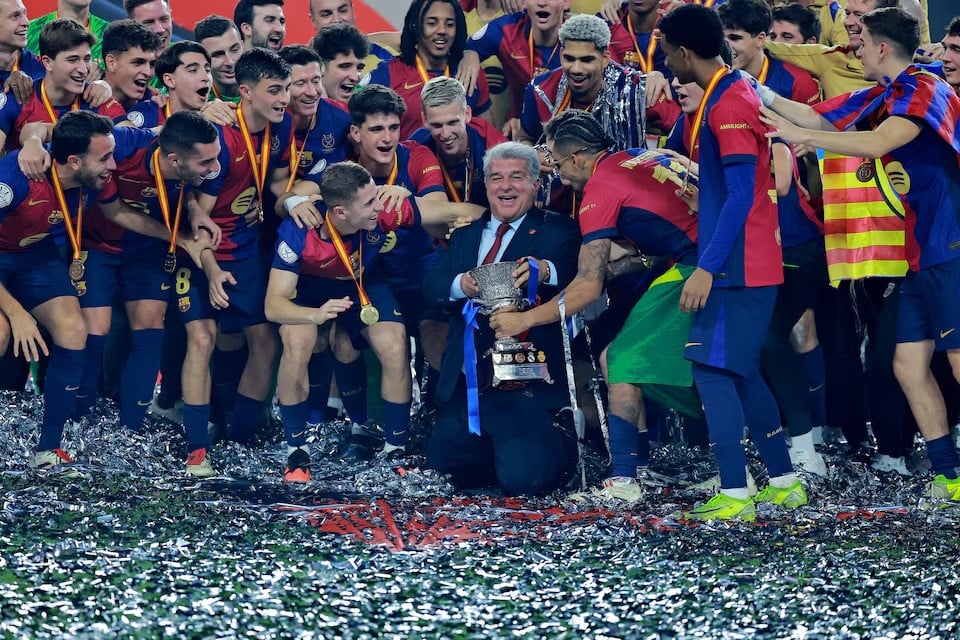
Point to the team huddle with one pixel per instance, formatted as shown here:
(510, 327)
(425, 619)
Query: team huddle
(729, 195)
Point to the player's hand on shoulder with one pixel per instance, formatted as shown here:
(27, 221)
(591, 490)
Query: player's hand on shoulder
(20, 85)
(97, 93)
(34, 160)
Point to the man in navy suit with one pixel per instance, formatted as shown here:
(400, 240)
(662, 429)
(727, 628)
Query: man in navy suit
(519, 450)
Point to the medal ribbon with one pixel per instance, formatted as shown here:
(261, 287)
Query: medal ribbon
(345, 259)
(51, 112)
(422, 70)
(764, 70)
(698, 119)
(533, 63)
(296, 155)
(73, 233)
(259, 171)
(392, 178)
(452, 187)
(16, 62)
(172, 226)
(469, 312)
(646, 62)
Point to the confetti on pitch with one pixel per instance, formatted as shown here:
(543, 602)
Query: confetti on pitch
(136, 549)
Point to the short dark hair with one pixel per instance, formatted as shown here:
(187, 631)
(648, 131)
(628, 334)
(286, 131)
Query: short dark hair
(806, 20)
(887, 4)
(340, 37)
(694, 27)
(575, 128)
(896, 27)
(374, 99)
(62, 35)
(243, 12)
(298, 54)
(258, 64)
(752, 16)
(131, 5)
(413, 26)
(170, 60)
(123, 35)
(341, 182)
(953, 29)
(73, 131)
(184, 130)
(213, 26)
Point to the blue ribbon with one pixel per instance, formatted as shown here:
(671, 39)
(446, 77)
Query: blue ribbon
(532, 282)
(469, 312)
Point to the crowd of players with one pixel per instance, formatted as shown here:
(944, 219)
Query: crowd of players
(255, 215)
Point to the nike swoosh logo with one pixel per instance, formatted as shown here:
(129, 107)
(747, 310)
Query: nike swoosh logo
(135, 181)
(693, 344)
(143, 404)
(241, 158)
(298, 435)
(164, 287)
(33, 203)
(816, 388)
(398, 314)
(944, 334)
(517, 57)
(71, 388)
(408, 86)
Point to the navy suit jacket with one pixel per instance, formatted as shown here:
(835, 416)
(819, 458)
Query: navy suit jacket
(542, 234)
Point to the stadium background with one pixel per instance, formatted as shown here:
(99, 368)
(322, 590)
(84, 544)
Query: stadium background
(372, 15)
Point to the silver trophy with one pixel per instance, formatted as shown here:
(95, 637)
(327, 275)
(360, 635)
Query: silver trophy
(513, 360)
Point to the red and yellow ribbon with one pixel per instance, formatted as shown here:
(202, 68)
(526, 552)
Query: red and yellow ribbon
(259, 170)
(698, 119)
(16, 62)
(422, 70)
(533, 64)
(296, 155)
(345, 259)
(173, 226)
(451, 185)
(51, 112)
(74, 232)
(646, 62)
(764, 69)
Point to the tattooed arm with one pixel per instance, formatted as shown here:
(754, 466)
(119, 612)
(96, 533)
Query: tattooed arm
(584, 290)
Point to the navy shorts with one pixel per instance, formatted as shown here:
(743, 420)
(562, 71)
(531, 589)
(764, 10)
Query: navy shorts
(36, 276)
(929, 306)
(192, 294)
(729, 331)
(139, 276)
(314, 292)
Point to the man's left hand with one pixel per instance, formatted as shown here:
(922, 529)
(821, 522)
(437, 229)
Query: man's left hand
(658, 87)
(522, 273)
(97, 93)
(21, 85)
(508, 322)
(696, 291)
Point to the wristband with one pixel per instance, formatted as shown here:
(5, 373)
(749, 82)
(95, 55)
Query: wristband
(293, 201)
(767, 95)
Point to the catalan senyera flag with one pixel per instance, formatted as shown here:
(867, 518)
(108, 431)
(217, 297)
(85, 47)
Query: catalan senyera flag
(863, 215)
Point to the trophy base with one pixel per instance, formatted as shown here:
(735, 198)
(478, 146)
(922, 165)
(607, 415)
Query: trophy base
(518, 361)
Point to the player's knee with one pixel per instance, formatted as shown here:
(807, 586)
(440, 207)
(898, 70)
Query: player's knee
(391, 349)
(803, 336)
(201, 339)
(908, 367)
(70, 331)
(298, 343)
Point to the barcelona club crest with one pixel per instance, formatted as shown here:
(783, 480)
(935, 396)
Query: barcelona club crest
(183, 304)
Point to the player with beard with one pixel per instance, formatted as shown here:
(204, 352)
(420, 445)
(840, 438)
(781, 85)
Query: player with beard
(527, 43)
(227, 294)
(951, 54)
(219, 36)
(183, 71)
(154, 15)
(151, 174)
(908, 120)
(431, 45)
(65, 53)
(261, 23)
(130, 53)
(732, 292)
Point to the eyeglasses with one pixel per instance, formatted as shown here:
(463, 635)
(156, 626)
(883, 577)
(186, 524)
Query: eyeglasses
(558, 163)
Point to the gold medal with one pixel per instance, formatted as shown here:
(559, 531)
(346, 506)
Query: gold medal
(170, 263)
(865, 171)
(369, 314)
(76, 270)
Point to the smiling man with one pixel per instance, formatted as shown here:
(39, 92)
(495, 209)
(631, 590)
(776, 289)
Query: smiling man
(951, 54)
(261, 23)
(183, 70)
(130, 53)
(342, 50)
(219, 36)
(14, 56)
(154, 15)
(327, 12)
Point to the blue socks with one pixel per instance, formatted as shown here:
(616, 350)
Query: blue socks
(195, 418)
(725, 423)
(294, 418)
(624, 447)
(244, 420)
(942, 453)
(59, 394)
(139, 376)
(814, 373)
(396, 418)
(352, 385)
(227, 370)
(90, 378)
(320, 373)
(763, 420)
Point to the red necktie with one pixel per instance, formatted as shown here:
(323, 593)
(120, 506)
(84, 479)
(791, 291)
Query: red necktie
(495, 248)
